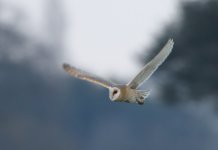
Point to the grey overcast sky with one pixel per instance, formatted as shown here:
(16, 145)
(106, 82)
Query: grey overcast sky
(104, 36)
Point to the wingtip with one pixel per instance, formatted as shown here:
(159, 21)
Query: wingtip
(171, 40)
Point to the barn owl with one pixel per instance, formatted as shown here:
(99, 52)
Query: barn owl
(128, 92)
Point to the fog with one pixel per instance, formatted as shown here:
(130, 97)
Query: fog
(41, 107)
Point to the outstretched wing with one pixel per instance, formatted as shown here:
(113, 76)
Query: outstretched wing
(86, 76)
(152, 66)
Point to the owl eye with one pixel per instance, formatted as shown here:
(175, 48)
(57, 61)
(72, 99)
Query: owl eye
(115, 92)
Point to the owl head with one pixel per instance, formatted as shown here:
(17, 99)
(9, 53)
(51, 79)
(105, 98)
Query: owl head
(114, 93)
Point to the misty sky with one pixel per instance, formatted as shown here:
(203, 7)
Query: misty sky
(48, 109)
(104, 36)
(111, 33)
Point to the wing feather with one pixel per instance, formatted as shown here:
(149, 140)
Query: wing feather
(152, 66)
(86, 76)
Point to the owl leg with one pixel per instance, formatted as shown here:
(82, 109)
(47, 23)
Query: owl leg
(140, 102)
(141, 95)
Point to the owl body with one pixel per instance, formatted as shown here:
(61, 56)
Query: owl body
(124, 93)
(129, 92)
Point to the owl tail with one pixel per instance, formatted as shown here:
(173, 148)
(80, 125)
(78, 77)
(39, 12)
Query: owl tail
(141, 95)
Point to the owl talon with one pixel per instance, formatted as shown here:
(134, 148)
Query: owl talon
(140, 103)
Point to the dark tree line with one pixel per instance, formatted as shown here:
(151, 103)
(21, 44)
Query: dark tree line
(192, 69)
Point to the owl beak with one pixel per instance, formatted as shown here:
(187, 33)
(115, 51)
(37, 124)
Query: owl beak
(110, 93)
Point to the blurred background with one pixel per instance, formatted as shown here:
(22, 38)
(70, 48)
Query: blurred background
(41, 107)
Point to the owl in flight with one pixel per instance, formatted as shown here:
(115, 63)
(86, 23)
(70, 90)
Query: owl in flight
(128, 92)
